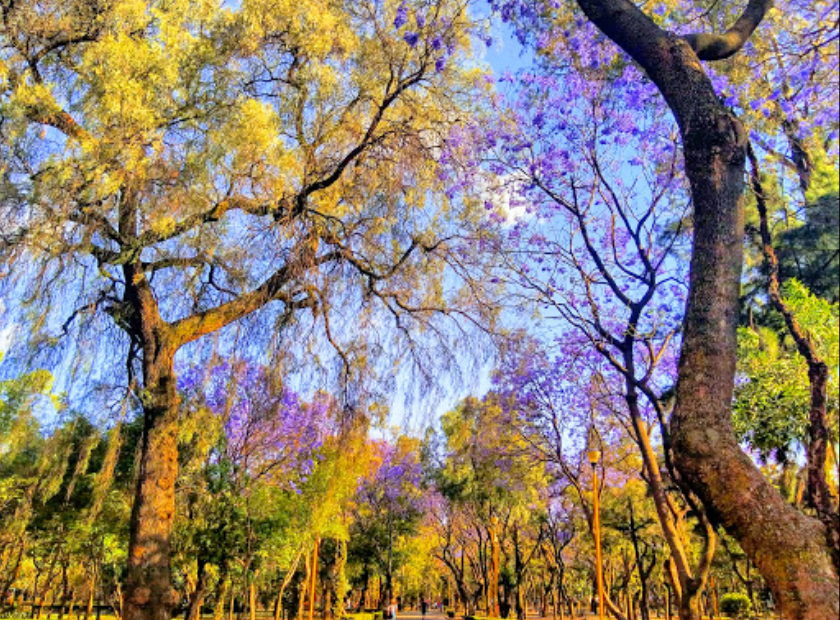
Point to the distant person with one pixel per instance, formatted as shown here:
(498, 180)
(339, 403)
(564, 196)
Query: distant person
(424, 607)
(392, 609)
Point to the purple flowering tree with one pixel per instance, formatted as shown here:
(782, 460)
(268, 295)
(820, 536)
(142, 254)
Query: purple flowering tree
(593, 241)
(241, 493)
(269, 431)
(388, 506)
(796, 553)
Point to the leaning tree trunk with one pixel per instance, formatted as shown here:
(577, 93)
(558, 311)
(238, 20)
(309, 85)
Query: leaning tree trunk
(788, 547)
(197, 599)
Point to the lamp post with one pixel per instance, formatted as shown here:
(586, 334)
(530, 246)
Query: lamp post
(594, 456)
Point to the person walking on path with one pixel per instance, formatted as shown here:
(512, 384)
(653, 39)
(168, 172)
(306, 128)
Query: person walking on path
(424, 607)
(392, 609)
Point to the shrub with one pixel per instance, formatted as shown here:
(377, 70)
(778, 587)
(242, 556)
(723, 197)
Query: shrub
(736, 605)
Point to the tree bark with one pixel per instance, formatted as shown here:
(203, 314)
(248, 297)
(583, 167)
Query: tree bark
(197, 598)
(148, 591)
(788, 547)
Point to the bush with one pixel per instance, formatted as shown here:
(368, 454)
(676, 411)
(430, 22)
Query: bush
(736, 605)
(450, 613)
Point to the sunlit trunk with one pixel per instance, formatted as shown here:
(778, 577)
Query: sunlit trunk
(148, 593)
(197, 599)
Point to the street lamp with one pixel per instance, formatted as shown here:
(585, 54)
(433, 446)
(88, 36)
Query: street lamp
(594, 456)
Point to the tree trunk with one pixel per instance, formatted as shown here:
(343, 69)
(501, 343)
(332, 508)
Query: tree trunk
(688, 585)
(91, 594)
(221, 593)
(314, 577)
(643, 582)
(197, 599)
(493, 582)
(13, 573)
(252, 599)
(65, 591)
(339, 581)
(278, 609)
(789, 548)
(148, 591)
(42, 598)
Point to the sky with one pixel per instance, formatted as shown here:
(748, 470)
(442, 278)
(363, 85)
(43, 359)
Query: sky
(505, 54)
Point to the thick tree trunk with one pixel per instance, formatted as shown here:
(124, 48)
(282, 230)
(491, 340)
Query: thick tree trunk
(789, 548)
(148, 591)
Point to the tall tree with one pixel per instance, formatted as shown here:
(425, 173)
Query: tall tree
(792, 550)
(178, 166)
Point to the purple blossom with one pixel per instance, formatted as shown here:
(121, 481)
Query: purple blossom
(401, 17)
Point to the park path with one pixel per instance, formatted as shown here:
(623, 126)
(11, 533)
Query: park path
(413, 614)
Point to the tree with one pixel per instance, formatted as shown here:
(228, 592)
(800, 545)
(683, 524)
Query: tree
(591, 243)
(790, 549)
(179, 166)
(263, 476)
(387, 510)
(489, 473)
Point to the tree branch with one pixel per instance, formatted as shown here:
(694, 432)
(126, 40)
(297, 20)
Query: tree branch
(719, 46)
(193, 327)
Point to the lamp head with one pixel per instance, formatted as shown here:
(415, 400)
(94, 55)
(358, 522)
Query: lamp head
(594, 456)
